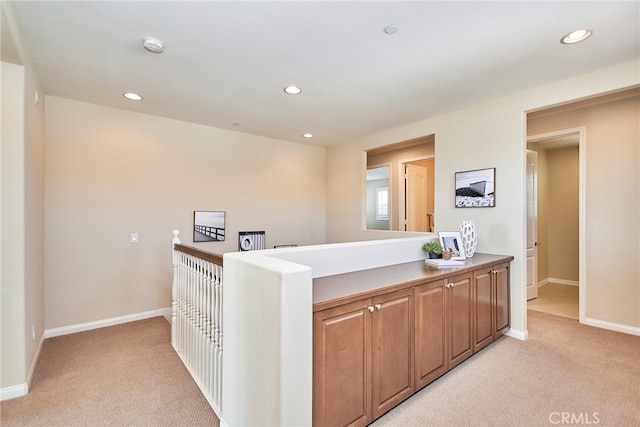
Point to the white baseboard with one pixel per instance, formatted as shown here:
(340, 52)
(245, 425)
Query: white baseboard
(515, 333)
(14, 391)
(632, 330)
(65, 330)
(558, 281)
(20, 390)
(36, 356)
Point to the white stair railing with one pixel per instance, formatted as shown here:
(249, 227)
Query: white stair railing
(196, 317)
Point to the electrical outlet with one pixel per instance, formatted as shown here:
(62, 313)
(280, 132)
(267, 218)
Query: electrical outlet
(134, 237)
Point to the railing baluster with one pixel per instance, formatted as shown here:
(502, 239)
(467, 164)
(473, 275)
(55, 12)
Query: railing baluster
(196, 317)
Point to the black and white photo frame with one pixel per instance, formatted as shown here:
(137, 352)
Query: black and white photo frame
(208, 226)
(476, 188)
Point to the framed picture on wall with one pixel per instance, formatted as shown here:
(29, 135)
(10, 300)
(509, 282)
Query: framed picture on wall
(208, 226)
(476, 188)
(451, 241)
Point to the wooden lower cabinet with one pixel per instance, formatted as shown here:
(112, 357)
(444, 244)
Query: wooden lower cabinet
(443, 326)
(502, 299)
(491, 300)
(392, 353)
(341, 365)
(460, 319)
(363, 359)
(371, 354)
(431, 332)
(483, 314)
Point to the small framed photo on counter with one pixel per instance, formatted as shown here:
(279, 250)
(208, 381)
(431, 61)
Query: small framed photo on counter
(451, 241)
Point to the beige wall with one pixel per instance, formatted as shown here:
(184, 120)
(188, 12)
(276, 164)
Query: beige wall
(111, 173)
(13, 242)
(612, 201)
(22, 229)
(487, 135)
(562, 232)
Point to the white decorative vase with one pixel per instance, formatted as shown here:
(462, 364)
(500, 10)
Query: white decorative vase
(469, 238)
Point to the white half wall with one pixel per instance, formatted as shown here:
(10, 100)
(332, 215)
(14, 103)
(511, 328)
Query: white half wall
(268, 341)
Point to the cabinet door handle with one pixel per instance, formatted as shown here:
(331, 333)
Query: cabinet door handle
(370, 308)
(378, 306)
(449, 285)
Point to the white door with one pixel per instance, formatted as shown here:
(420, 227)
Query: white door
(416, 198)
(532, 221)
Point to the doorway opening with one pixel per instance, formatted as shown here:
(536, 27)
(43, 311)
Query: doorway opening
(555, 171)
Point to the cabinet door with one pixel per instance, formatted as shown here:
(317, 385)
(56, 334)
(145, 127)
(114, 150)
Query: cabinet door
(341, 365)
(460, 320)
(431, 354)
(392, 350)
(483, 308)
(502, 315)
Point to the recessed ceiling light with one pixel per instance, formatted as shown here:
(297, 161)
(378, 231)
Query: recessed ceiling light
(132, 96)
(308, 135)
(575, 36)
(153, 45)
(292, 90)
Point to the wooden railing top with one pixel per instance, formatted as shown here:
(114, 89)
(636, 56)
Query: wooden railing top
(207, 256)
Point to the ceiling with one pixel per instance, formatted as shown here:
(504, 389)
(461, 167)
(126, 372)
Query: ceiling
(226, 63)
(557, 142)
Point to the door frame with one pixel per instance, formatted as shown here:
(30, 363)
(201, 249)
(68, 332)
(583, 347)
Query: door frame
(582, 229)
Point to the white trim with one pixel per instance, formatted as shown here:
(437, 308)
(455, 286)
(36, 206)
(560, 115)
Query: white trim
(13, 391)
(20, 390)
(559, 282)
(81, 327)
(626, 329)
(521, 335)
(36, 356)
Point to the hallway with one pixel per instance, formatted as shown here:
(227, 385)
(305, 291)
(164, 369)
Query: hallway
(558, 299)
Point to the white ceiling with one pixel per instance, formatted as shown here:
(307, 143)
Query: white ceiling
(225, 64)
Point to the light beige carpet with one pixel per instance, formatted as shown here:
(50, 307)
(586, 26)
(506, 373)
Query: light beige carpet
(565, 371)
(128, 375)
(558, 299)
(125, 375)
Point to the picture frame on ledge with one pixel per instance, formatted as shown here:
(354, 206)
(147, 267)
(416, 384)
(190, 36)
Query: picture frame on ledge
(452, 241)
(476, 188)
